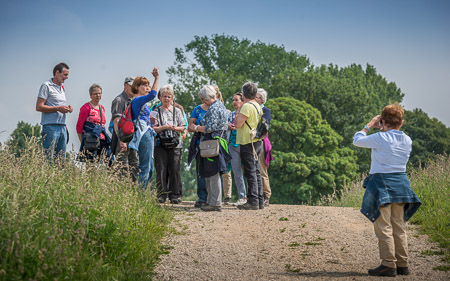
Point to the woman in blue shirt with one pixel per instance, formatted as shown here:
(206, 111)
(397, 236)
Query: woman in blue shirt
(143, 141)
(388, 201)
(196, 117)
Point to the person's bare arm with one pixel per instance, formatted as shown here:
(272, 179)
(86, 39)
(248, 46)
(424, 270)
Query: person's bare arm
(42, 107)
(240, 120)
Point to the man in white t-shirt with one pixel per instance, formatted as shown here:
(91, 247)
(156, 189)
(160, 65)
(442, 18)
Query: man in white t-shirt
(51, 101)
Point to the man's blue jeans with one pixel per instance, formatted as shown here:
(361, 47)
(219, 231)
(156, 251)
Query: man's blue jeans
(145, 154)
(54, 140)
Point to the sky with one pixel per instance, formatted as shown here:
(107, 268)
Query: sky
(408, 42)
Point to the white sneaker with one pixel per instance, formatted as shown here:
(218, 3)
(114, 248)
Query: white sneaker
(241, 202)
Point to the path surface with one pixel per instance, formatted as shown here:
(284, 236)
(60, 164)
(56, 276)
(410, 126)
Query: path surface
(282, 242)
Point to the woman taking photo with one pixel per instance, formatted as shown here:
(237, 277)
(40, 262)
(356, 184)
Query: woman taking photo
(388, 201)
(170, 122)
(91, 126)
(142, 140)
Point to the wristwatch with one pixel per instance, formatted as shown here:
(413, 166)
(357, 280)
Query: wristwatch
(367, 127)
(195, 128)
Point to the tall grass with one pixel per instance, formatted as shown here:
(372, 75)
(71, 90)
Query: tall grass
(76, 223)
(432, 186)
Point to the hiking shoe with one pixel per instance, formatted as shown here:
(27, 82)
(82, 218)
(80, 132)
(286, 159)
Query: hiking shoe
(247, 206)
(261, 206)
(383, 271)
(199, 203)
(402, 270)
(161, 200)
(266, 201)
(227, 201)
(175, 201)
(211, 208)
(240, 202)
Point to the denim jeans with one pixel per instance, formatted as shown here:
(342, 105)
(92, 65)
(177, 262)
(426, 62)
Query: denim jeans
(145, 154)
(202, 193)
(237, 171)
(54, 140)
(252, 173)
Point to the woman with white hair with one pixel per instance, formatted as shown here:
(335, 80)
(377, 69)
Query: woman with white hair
(213, 126)
(170, 121)
(266, 152)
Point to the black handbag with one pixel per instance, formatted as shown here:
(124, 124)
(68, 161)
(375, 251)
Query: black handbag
(91, 142)
(168, 138)
(261, 129)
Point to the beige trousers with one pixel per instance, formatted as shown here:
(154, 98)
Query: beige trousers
(391, 233)
(227, 183)
(264, 175)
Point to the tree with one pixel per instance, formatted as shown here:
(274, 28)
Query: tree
(21, 134)
(430, 136)
(227, 62)
(309, 161)
(347, 97)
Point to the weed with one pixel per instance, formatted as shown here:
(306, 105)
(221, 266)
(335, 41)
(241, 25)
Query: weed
(283, 219)
(290, 269)
(312, 244)
(66, 220)
(294, 244)
(283, 229)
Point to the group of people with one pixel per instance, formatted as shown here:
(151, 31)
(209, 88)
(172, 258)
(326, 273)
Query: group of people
(225, 142)
(157, 142)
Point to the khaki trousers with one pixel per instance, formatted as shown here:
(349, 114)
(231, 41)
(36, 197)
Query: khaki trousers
(227, 182)
(264, 175)
(391, 233)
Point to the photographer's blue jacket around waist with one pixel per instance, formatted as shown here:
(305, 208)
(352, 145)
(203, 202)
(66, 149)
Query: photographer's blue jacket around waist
(388, 188)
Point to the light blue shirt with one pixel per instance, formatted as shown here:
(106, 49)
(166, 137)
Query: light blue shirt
(390, 150)
(53, 95)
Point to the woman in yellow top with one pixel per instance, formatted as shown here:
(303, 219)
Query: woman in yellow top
(250, 147)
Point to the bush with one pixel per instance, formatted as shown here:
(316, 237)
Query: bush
(72, 222)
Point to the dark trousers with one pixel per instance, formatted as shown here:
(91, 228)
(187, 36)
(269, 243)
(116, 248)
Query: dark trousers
(168, 172)
(252, 173)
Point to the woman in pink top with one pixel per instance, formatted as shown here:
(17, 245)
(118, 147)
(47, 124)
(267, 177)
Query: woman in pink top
(92, 120)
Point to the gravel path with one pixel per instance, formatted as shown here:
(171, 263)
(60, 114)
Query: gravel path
(282, 242)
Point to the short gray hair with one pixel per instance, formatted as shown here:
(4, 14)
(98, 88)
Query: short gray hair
(263, 94)
(249, 90)
(166, 89)
(207, 92)
(94, 86)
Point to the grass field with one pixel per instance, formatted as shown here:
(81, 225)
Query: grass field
(75, 222)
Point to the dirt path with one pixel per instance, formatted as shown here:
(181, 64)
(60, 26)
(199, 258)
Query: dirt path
(282, 242)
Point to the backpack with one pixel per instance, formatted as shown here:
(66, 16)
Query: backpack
(262, 128)
(127, 127)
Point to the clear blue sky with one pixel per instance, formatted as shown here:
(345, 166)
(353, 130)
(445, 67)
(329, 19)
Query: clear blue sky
(408, 42)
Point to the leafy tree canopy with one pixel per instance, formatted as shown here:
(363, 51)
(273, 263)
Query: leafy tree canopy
(309, 161)
(429, 136)
(21, 134)
(347, 97)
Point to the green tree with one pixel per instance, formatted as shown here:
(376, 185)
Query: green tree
(22, 133)
(309, 161)
(347, 97)
(430, 136)
(227, 62)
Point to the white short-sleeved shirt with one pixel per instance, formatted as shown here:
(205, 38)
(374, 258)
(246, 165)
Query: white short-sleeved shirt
(53, 95)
